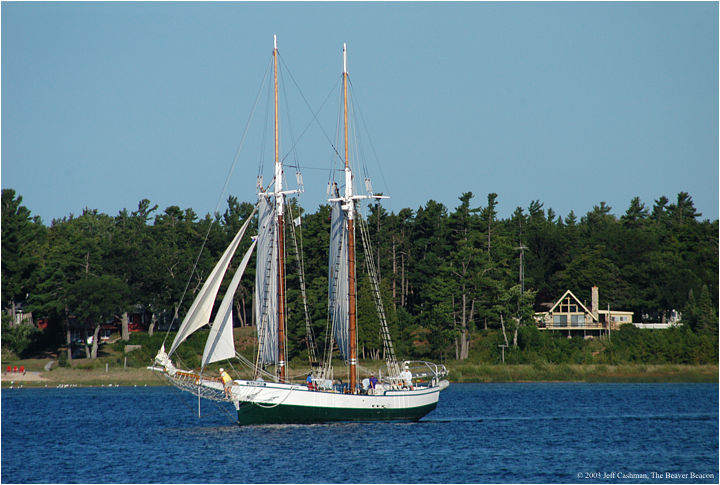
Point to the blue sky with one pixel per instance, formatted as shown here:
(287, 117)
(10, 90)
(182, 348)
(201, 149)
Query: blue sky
(104, 104)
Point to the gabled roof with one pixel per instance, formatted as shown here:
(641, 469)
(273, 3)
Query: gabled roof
(580, 304)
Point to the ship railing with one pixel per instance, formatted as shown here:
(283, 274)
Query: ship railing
(196, 384)
(425, 373)
(421, 368)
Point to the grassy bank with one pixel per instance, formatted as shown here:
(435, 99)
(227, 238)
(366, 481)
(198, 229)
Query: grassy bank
(116, 367)
(466, 372)
(120, 364)
(84, 378)
(459, 373)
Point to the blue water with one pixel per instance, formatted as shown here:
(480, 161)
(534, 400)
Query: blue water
(479, 433)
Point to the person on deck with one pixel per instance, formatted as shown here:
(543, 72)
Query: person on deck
(309, 382)
(373, 382)
(365, 385)
(406, 376)
(227, 382)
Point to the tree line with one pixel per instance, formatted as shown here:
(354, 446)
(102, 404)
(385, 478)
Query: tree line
(447, 276)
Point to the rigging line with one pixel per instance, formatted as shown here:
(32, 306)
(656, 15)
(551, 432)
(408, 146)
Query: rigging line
(293, 387)
(329, 331)
(182, 391)
(288, 119)
(329, 341)
(244, 360)
(221, 408)
(305, 167)
(338, 122)
(216, 402)
(370, 142)
(217, 204)
(388, 348)
(302, 95)
(268, 111)
(227, 413)
(357, 137)
(357, 144)
(297, 235)
(285, 293)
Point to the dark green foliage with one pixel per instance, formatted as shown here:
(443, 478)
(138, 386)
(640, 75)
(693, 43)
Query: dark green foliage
(23, 240)
(20, 339)
(448, 276)
(97, 298)
(679, 345)
(188, 354)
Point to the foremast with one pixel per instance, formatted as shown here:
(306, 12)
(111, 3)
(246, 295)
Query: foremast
(279, 207)
(270, 275)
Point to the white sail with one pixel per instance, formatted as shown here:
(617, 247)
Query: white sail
(201, 308)
(220, 345)
(266, 290)
(338, 302)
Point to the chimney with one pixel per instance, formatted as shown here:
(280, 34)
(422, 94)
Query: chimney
(594, 303)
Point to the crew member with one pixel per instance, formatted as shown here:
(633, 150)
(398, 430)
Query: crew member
(227, 382)
(373, 383)
(406, 376)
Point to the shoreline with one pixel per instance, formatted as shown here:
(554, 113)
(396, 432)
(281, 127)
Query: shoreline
(460, 373)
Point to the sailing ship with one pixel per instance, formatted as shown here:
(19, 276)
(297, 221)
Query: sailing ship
(274, 398)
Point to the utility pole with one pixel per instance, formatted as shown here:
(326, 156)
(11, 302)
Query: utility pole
(522, 249)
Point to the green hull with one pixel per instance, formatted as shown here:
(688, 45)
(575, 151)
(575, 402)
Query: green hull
(285, 414)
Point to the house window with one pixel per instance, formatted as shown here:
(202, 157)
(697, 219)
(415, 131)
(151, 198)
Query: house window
(568, 308)
(577, 320)
(560, 320)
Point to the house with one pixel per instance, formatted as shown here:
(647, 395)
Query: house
(670, 319)
(138, 319)
(569, 314)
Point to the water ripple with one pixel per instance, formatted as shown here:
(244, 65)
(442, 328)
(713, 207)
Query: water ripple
(520, 433)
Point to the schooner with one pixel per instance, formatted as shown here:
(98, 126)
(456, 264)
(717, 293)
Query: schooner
(274, 398)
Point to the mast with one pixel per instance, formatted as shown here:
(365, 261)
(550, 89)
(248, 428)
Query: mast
(350, 207)
(281, 240)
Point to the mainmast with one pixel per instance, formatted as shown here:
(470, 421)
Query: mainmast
(281, 240)
(350, 208)
(347, 203)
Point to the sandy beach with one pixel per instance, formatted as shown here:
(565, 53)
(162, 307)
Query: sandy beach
(27, 376)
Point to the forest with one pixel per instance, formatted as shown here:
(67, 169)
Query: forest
(451, 278)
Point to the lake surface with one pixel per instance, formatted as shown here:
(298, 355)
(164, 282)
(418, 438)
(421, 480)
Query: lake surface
(479, 433)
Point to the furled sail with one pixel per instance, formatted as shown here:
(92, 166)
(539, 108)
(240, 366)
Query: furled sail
(220, 345)
(201, 308)
(266, 289)
(338, 278)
